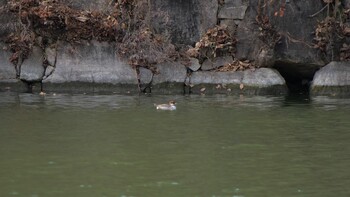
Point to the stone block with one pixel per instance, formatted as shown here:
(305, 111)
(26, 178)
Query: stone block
(51, 55)
(231, 24)
(333, 74)
(260, 81)
(186, 20)
(48, 71)
(145, 76)
(232, 12)
(32, 69)
(262, 77)
(216, 62)
(195, 65)
(233, 3)
(7, 69)
(170, 72)
(332, 80)
(91, 62)
(206, 77)
(208, 10)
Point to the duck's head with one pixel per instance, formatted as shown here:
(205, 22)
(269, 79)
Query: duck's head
(172, 102)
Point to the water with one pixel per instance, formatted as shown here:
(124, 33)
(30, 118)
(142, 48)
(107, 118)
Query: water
(121, 146)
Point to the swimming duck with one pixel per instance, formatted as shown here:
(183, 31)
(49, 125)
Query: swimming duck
(170, 106)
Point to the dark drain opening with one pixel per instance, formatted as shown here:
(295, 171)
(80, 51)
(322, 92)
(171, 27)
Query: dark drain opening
(298, 77)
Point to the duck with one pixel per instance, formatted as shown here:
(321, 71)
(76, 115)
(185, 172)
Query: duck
(170, 106)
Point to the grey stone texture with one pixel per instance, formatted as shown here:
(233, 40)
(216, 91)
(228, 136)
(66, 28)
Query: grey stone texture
(90, 62)
(7, 69)
(170, 73)
(51, 55)
(262, 77)
(186, 20)
(233, 3)
(333, 74)
(295, 27)
(209, 64)
(195, 65)
(333, 79)
(206, 77)
(237, 12)
(259, 81)
(32, 69)
(8, 22)
(91, 5)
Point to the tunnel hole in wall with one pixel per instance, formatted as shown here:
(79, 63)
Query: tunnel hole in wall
(298, 76)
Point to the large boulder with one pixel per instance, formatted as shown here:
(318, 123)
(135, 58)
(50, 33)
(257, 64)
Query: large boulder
(91, 62)
(170, 79)
(263, 80)
(333, 79)
(263, 77)
(170, 72)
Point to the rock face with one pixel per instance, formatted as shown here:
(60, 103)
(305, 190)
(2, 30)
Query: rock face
(263, 77)
(333, 79)
(7, 70)
(264, 80)
(91, 5)
(7, 21)
(186, 20)
(234, 12)
(209, 64)
(170, 73)
(8, 73)
(195, 65)
(32, 69)
(293, 52)
(90, 62)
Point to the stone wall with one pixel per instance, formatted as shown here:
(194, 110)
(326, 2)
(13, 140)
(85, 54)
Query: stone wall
(185, 21)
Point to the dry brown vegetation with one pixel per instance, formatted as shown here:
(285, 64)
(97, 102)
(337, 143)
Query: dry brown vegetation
(126, 25)
(332, 34)
(216, 42)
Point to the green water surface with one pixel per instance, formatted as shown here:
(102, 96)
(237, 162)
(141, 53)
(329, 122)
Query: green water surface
(216, 146)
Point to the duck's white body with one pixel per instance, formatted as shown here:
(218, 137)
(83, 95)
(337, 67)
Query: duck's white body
(171, 106)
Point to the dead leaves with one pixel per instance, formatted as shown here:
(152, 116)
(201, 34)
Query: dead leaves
(143, 48)
(55, 19)
(280, 12)
(125, 25)
(237, 65)
(20, 45)
(215, 42)
(330, 31)
(345, 52)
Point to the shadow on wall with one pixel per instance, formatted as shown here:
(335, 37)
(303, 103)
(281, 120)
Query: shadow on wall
(298, 76)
